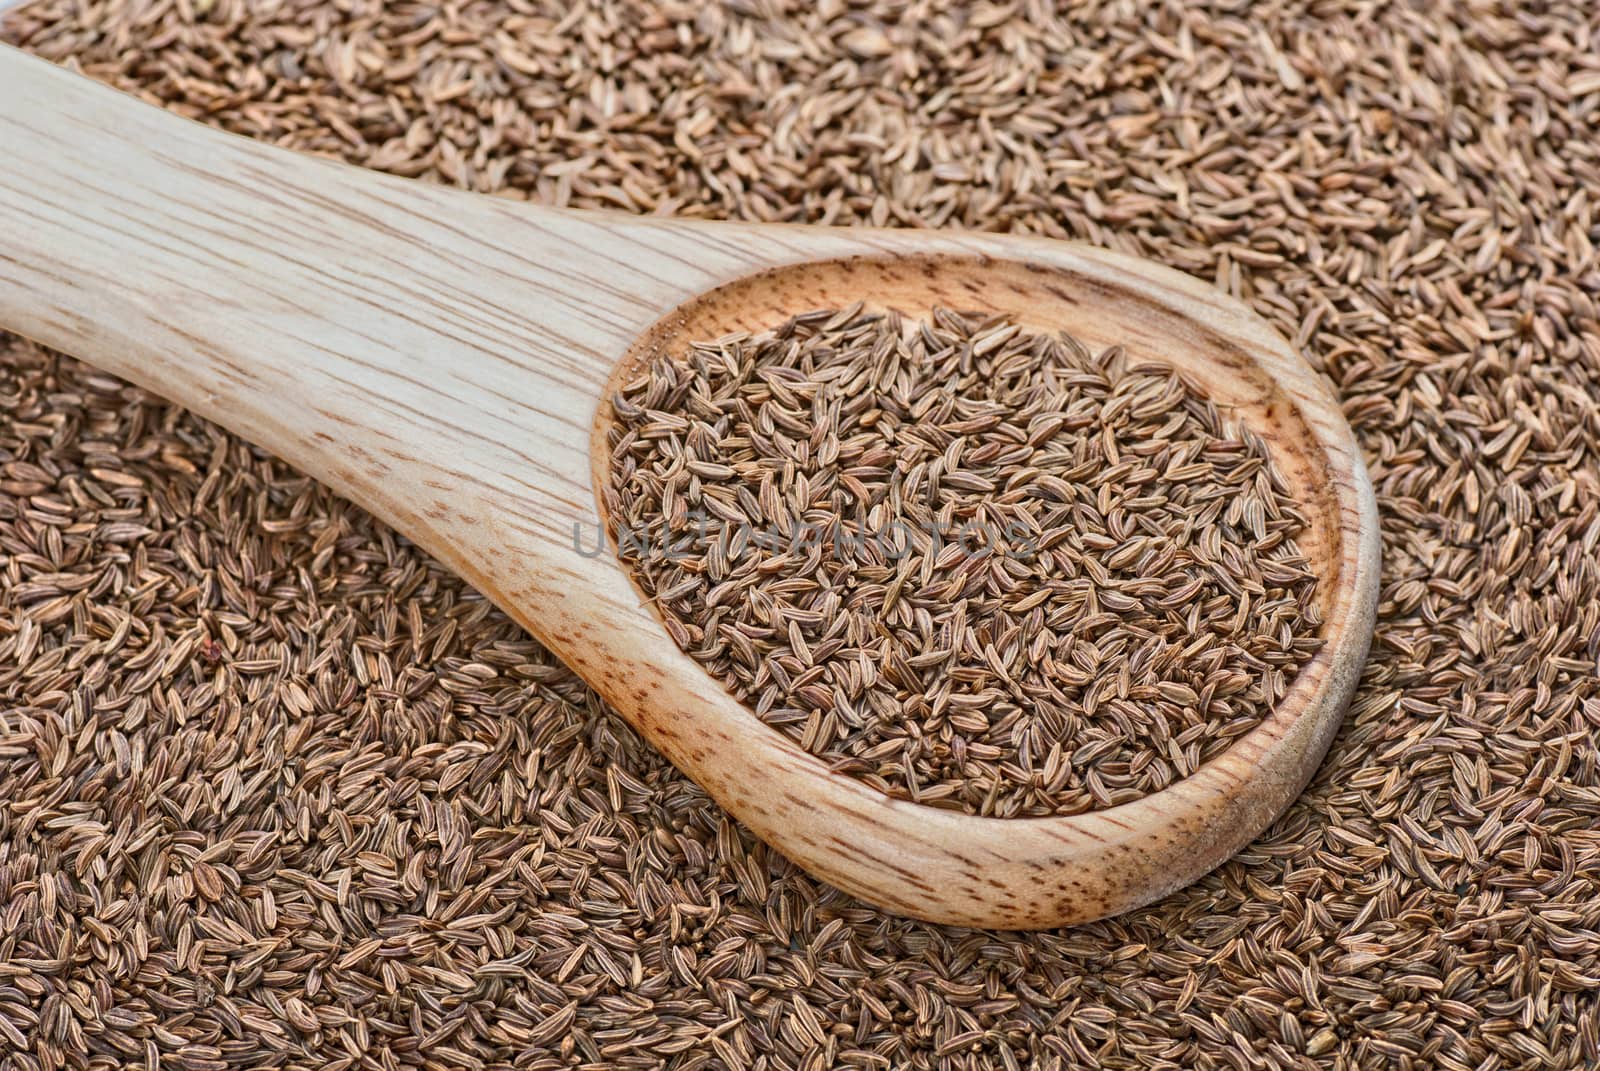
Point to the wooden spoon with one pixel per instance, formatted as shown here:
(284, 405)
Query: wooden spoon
(444, 359)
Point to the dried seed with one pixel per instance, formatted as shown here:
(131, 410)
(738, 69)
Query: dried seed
(1422, 176)
(985, 594)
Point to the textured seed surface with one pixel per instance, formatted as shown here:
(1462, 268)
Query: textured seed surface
(975, 566)
(205, 659)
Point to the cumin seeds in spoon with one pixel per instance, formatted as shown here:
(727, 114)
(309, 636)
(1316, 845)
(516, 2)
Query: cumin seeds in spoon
(971, 565)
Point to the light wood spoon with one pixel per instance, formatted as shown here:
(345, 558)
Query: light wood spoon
(445, 360)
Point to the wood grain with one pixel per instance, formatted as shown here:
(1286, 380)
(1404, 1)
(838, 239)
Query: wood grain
(441, 358)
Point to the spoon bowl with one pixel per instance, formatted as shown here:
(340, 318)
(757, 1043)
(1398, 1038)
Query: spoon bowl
(446, 361)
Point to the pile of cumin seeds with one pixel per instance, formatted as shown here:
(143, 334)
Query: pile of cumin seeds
(1403, 190)
(973, 566)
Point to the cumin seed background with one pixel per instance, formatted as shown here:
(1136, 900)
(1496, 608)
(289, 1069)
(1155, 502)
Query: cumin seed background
(276, 791)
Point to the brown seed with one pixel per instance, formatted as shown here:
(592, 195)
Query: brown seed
(999, 577)
(1418, 182)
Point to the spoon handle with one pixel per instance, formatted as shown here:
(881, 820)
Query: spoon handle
(166, 254)
(334, 316)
